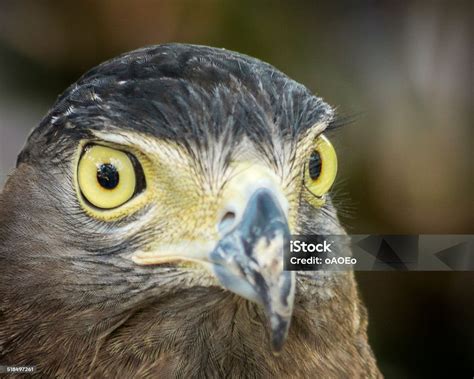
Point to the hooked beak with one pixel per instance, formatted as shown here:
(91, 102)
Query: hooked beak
(249, 262)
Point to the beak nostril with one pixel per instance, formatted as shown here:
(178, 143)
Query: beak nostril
(227, 222)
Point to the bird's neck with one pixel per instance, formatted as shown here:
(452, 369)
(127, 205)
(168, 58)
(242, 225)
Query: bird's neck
(205, 333)
(217, 334)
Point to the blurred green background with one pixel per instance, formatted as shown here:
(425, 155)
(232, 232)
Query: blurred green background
(401, 68)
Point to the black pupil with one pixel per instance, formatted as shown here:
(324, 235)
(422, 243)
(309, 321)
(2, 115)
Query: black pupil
(314, 165)
(107, 176)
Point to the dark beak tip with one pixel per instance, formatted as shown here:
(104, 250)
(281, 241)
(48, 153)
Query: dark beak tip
(277, 345)
(279, 334)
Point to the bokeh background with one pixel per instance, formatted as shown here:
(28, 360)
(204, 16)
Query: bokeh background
(401, 70)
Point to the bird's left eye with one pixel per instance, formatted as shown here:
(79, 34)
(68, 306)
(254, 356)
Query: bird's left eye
(108, 177)
(321, 167)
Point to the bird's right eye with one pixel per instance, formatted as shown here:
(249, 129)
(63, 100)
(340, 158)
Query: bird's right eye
(108, 177)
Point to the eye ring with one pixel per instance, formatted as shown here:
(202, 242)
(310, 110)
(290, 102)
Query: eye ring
(320, 172)
(107, 177)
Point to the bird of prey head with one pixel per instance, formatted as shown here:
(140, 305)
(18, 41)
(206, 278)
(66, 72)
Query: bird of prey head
(141, 233)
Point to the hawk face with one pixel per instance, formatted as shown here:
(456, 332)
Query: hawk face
(153, 203)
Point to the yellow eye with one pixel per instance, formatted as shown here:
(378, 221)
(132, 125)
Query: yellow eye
(321, 168)
(106, 177)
